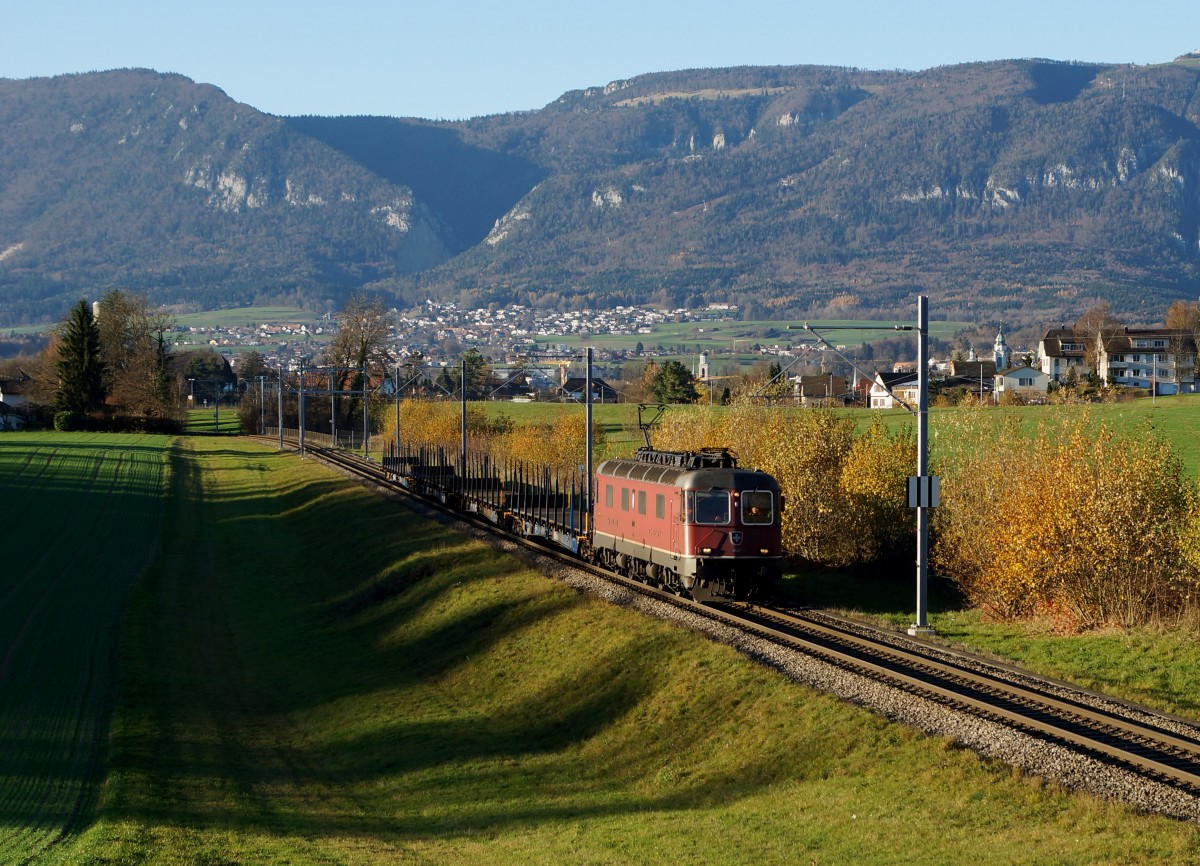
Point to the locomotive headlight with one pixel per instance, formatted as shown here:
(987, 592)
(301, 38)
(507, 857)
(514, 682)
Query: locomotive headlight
(763, 551)
(706, 550)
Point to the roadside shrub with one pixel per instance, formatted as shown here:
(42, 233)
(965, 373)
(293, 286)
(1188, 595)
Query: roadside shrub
(1075, 520)
(875, 481)
(560, 444)
(70, 421)
(431, 423)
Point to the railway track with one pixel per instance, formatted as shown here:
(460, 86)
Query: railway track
(1157, 749)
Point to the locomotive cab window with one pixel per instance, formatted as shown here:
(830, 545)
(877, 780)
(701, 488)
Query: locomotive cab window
(709, 507)
(608, 499)
(758, 506)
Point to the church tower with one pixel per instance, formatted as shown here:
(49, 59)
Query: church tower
(1000, 352)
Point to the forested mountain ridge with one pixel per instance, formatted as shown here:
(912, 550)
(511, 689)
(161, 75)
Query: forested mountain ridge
(151, 182)
(1019, 189)
(1023, 188)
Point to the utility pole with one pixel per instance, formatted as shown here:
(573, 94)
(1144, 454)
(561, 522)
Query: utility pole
(926, 492)
(588, 434)
(463, 419)
(397, 409)
(300, 408)
(333, 377)
(279, 393)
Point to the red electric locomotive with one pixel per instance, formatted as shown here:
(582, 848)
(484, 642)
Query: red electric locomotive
(692, 522)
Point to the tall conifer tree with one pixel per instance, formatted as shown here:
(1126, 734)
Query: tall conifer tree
(80, 367)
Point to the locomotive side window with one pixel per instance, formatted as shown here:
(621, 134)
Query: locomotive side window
(712, 506)
(660, 505)
(624, 498)
(608, 495)
(758, 506)
(641, 501)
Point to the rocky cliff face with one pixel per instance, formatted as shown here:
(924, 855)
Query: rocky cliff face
(156, 183)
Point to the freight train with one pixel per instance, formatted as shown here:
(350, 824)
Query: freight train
(690, 522)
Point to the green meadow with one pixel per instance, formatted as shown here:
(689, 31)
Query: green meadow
(1175, 418)
(296, 670)
(79, 518)
(246, 316)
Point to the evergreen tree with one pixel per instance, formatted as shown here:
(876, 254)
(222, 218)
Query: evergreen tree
(674, 384)
(80, 367)
(479, 373)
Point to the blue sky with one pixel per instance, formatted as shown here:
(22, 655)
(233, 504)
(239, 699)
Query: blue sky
(460, 59)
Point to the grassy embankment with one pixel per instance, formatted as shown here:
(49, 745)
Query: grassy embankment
(207, 420)
(313, 675)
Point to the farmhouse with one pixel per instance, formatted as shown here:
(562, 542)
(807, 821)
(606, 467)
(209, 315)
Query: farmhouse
(12, 390)
(1061, 355)
(10, 418)
(820, 390)
(902, 385)
(1027, 382)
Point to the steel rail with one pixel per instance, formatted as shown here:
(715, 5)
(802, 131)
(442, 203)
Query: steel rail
(954, 683)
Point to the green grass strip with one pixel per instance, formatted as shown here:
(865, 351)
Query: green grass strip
(79, 519)
(314, 675)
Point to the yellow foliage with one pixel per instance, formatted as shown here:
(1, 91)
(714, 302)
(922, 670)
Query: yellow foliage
(559, 445)
(875, 480)
(1075, 519)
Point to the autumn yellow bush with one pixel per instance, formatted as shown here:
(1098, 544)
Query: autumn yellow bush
(875, 482)
(1075, 519)
(558, 445)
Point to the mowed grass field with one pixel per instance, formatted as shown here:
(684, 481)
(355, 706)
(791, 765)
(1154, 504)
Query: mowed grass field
(79, 520)
(309, 673)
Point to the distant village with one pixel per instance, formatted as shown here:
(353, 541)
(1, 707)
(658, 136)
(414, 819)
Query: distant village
(445, 329)
(1161, 361)
(521, 340)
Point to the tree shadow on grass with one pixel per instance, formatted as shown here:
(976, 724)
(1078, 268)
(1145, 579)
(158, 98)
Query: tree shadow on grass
(885, 586)
(418, 635)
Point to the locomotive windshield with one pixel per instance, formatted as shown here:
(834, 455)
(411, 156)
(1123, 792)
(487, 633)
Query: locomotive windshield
(708, 506)
(758, 506)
